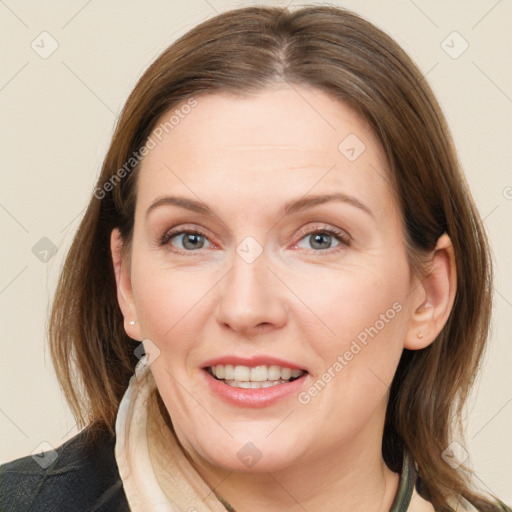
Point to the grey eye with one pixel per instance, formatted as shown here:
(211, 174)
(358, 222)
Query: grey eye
(319, 241)
(189, 241)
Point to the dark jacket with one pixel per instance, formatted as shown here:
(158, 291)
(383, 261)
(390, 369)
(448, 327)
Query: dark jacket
(81, 479)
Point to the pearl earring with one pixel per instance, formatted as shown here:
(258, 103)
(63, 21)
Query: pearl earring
(132, 322)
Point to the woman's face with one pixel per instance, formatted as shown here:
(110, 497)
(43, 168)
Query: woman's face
(268, 245)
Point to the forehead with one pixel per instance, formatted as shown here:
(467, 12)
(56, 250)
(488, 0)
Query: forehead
(282, 142)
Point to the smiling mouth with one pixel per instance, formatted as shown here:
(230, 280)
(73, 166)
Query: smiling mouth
(256, 377)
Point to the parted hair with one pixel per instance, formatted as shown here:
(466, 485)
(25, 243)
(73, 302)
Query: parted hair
(242, 52)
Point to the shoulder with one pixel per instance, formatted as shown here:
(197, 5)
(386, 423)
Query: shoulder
(80, 475)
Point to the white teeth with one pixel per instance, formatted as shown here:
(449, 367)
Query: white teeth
(274, 372)
(254, 385)
(242, 373)
(254, 375)
(259, 374)
(285, 373)
(229, 371)
(219, 371)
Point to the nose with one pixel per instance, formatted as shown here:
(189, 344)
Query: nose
(251, 298)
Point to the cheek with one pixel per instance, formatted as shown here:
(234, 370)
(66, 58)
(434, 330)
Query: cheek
(170, 304)
(349, 301)
(362, 318)
(360, 358)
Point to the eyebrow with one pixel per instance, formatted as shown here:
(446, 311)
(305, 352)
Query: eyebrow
(310, 201)
(289, 208)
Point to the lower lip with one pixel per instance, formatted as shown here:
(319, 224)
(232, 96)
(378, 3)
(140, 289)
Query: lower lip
(261, 397)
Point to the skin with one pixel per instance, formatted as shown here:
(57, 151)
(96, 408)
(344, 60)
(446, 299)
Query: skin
(245, 158)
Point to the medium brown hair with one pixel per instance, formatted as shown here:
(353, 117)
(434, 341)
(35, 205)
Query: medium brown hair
(242, 52)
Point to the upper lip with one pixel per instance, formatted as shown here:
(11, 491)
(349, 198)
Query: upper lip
(258, 360)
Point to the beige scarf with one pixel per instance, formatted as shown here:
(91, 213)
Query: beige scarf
(156, 474)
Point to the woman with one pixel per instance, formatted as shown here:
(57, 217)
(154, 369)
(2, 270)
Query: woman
(282, 221)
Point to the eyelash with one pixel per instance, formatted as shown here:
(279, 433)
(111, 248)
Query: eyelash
(340, 236)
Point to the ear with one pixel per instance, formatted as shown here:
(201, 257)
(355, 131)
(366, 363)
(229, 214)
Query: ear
(433, 297)
(124, 286)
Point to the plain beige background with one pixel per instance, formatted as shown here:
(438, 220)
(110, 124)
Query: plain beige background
(58, 111)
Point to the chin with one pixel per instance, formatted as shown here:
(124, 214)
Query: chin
(258, 456)
(253, 462)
